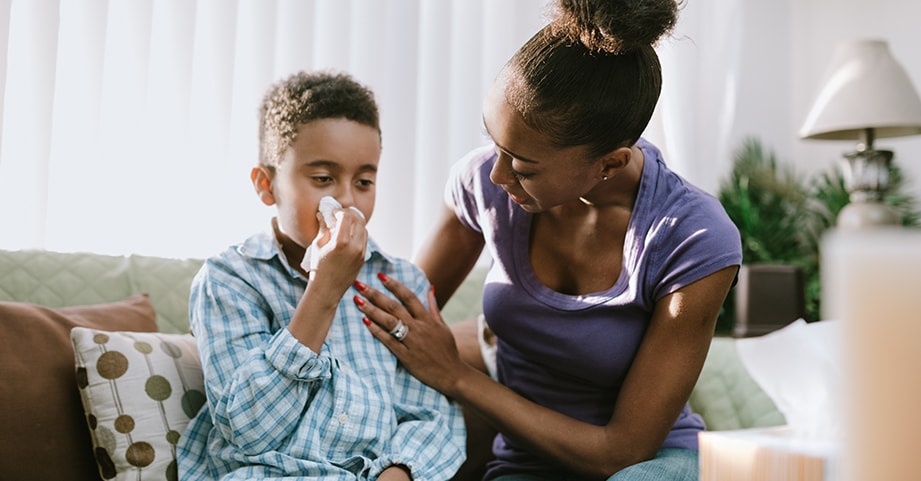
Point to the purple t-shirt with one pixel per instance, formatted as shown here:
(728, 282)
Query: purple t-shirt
(571, 353)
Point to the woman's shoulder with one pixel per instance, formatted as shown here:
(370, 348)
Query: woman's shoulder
(475, 162)
(670, 201)
(469, 188)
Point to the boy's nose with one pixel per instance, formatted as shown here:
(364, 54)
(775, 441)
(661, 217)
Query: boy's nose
(345, 197)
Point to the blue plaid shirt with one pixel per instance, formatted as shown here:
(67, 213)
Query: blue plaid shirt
(277, 409)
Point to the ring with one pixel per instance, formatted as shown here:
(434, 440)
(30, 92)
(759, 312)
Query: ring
(400, 330)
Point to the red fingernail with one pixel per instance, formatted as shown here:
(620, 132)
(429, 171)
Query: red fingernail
(366, 321)
(383, 277)
(360, 286)
(359, 301)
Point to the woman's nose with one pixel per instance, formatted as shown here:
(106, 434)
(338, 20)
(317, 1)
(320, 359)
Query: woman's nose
(501, 173)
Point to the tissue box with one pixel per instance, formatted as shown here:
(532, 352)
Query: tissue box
(763, 454)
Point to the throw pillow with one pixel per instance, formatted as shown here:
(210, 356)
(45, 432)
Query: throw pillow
(139, 390)
(44, 430)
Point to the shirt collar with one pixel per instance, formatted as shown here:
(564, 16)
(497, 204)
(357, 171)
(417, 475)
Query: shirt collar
(265, 246)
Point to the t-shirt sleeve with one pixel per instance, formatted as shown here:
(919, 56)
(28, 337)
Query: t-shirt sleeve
(463, 190)
(697, 243)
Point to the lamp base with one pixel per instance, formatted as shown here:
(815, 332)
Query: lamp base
(862, 215)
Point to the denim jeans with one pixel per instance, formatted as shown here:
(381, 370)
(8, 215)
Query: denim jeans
(668, 465)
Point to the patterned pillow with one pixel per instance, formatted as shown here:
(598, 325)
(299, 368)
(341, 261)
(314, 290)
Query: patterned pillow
(139, 391)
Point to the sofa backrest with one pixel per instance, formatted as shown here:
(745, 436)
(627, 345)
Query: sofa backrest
(58, 279)
(726, 395)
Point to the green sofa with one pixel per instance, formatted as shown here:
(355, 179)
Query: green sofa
(726, 396)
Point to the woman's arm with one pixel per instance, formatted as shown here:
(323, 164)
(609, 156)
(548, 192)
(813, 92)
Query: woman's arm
(447, 257)
(656, 389)
(449, 254)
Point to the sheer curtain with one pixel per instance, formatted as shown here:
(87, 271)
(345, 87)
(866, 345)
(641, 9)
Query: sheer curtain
(129, 126)
(726, 76)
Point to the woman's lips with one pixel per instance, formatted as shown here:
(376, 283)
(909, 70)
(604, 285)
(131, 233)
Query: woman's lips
(516, 198)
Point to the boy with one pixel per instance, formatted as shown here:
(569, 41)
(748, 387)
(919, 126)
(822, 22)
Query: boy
(297, 387)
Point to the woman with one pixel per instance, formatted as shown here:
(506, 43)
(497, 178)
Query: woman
(608, 269)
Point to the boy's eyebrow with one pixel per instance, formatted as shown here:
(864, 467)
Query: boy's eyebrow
(332, 164)
(506, 151)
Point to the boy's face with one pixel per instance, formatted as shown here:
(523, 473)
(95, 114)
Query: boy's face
(335, 157)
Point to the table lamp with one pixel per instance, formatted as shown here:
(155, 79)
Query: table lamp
(866, 95)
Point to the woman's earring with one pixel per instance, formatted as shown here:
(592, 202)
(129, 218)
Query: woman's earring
(604, 177)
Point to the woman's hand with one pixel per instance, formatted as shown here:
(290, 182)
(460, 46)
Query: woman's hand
(428, 350)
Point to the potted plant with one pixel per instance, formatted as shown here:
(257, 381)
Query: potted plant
(781, 216)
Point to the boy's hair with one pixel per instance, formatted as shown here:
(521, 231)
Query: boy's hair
(305, 97)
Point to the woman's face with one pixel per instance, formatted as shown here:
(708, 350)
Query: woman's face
(536, 174)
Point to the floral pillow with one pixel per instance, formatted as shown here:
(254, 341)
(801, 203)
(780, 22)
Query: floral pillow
(139, 392)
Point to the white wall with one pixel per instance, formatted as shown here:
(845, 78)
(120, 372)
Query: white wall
(745, 68)
(818, 27)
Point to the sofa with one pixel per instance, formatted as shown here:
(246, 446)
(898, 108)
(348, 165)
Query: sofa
(99, 374)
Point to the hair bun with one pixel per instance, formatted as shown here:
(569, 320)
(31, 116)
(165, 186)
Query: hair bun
(615, 25)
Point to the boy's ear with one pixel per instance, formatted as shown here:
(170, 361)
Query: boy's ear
(262, 182)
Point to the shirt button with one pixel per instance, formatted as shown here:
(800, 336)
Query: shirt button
(343, 418)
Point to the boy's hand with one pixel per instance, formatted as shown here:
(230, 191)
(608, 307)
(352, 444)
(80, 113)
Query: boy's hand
(340, 250)
(337, 256)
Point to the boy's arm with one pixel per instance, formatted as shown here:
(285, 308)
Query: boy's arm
(254, 378)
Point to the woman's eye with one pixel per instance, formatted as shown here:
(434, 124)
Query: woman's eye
(521, 176)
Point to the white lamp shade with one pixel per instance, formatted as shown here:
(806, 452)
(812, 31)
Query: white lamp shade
(866, 88)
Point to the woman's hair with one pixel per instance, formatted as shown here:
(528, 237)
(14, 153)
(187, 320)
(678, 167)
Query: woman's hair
(591, 77)
(305, 97)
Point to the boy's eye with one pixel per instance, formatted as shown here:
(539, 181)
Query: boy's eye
(323, 179)
(366, 182)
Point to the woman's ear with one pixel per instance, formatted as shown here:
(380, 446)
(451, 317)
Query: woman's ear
(262, 182)
(615, 161)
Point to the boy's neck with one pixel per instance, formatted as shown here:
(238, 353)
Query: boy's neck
(293, 251)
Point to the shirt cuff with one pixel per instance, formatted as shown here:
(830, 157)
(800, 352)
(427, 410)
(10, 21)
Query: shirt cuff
(296, 361)
(384, 462)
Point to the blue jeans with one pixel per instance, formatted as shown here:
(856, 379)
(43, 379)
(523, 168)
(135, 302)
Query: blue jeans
(668, 465)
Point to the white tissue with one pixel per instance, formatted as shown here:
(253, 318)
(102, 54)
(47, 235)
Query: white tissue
(328, 208)
(800, 368)
(328, 205)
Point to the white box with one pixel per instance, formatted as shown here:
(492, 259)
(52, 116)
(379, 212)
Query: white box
(764, 454)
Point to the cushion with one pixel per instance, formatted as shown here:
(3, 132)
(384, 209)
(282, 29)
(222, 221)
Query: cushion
(139, 390)
(727, 396)
(44, 430)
